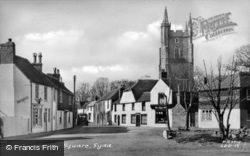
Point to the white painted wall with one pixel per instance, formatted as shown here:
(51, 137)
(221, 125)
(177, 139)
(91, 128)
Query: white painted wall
(90, 109)
(46, 104)
(128, 98)
(7, 92)
(234, 120)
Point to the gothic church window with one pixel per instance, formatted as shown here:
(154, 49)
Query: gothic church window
(176, 40)
(176, 52)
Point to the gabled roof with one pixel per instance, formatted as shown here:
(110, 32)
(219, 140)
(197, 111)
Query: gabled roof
(31, 73)
(142, 86)
(145, 97)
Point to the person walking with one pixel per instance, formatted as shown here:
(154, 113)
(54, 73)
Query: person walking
(1, 126)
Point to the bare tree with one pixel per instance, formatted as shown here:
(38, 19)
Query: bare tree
(243, 57)
(121, 83)
(219, 89)
(100, 87)
(83, 93)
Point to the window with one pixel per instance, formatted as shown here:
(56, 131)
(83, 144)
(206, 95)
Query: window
(37, 117)
(54, 95)
(133, 119)
(123, 107)
(160, 116)
(69, 100)
(143, 106)
(37, 91)
(60, 96)
(133, 106)
(69, 118)
(123, 118)
(89, 116)
(176, 40)
(176, 52)
(45, 115)
(115, 118)
(161, 99)
(60, 117)
(115, 107)
(206, 115)
(144, 119)
(49, 115)
(248, 94)
(248, 114)
(45, 93)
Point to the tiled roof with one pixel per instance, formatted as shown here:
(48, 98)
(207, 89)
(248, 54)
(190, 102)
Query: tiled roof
(111, 95)
(92, 103)
(142, 86)
(58, 84)
(145, 97)
(240, 80)
(31, 73)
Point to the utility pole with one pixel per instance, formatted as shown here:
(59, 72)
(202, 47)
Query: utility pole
(74, 106)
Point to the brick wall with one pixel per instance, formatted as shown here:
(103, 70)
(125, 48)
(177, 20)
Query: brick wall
(7, 52)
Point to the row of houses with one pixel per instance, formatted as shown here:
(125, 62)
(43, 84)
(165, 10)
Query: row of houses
(30, 100)
(144, 104)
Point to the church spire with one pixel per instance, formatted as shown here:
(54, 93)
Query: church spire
(186, 27)
(165, 20)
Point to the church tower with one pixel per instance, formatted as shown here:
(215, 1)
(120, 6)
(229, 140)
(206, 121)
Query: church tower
(176, 53)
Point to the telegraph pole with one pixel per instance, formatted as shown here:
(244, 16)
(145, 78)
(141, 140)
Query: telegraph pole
(74, 106)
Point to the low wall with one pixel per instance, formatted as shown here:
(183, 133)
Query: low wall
(13, 126)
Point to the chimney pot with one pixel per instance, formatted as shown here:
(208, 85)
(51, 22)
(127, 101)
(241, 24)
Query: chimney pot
(58, 71)
(54, 70)
(10, 40)
(34, 55)
(40, 57)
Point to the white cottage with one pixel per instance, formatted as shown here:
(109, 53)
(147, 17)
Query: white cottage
(142, 105)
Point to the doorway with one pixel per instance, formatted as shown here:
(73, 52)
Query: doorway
(138, 120)
(118, 120)
(45, 119)
(192, 119)
(65, 119)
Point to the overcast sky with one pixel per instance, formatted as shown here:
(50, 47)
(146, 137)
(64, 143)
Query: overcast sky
(111, 38)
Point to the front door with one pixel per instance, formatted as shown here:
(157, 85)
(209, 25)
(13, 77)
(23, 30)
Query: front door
(65, 119)
(118, 120)
(45, 119)
(138, 120)
(192, 119)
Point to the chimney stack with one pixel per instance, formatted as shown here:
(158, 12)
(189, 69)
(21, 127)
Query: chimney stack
(38, 65)
(34, 55)
(7, 52)
(40, 57)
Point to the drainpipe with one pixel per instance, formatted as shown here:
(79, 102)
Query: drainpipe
(31, 109)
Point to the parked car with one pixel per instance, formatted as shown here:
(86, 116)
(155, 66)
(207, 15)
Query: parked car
(82, 120)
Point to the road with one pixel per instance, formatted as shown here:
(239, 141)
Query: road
(116, 141)
(123, 141)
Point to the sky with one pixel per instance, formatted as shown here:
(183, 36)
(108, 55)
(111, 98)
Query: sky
(112, 38)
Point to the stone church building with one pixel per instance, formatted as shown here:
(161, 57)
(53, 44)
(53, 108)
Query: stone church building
(176, 53)
(176, 67)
